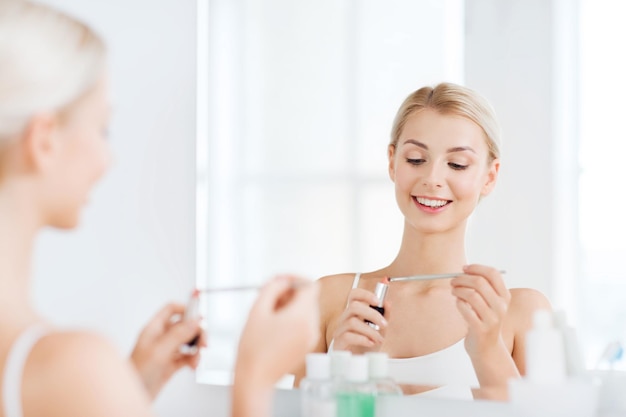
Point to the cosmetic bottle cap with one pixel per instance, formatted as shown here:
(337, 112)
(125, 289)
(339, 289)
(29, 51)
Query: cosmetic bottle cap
(317, 366)
(542, 319)
(357, 369)
(381, 292)
(378, 365)
(339, 363)
(192, 311)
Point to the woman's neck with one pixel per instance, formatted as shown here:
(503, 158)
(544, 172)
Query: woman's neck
(19, 224)
(430, 253)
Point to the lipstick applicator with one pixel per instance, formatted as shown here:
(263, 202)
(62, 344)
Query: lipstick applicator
(381, 292)
(192, 312)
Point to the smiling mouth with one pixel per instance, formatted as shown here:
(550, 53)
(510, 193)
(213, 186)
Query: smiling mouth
(433, 204)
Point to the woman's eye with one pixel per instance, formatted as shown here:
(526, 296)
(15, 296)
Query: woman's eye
(457, 167)
(415, 161)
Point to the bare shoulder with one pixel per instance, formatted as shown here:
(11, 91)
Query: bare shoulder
(524, 302)
(81, 373)
(336, 281)
(334, 291)
(528, 300)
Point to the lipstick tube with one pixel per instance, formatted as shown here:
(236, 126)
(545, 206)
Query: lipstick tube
(192, 312)
(381, 292)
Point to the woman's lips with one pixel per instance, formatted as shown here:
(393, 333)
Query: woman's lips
(431, 205)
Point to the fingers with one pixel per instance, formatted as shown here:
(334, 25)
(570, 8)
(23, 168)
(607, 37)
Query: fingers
(478, 292)
(365, 313)
(163, 319)
(181, 333)
(362, 295)
(476, 302)
(468, 313)
(276, 293)
(353, 331)
(482, 297)
(492, 275)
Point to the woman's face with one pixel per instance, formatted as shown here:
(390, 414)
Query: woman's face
(81, 157)
(440, 168)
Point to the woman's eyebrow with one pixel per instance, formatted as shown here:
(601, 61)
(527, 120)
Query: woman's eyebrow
(461, 149)
(455, 149)
(416, 143)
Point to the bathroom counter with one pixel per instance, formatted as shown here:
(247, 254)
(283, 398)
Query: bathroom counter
(287, 404)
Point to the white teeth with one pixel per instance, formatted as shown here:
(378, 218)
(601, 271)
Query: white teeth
(431, 203)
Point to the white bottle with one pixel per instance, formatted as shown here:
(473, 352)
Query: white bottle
(546, 390)
(356, 395)
(545, 352)
(574, 363)
(339, 363)
(317, 396)
(379, 374)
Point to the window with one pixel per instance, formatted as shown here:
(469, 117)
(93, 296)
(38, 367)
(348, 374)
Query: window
(296, 101)
(602, 198)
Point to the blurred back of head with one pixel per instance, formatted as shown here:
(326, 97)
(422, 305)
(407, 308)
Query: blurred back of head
(47, 60)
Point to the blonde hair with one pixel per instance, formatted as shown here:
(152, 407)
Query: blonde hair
(451, 99)
(47, 61)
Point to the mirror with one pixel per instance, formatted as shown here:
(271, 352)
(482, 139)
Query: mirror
(297, 101)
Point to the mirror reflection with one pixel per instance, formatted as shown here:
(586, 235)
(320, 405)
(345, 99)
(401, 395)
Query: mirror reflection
(303, 173)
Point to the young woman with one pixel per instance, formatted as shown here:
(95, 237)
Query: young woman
(469, 330)
(53, 116)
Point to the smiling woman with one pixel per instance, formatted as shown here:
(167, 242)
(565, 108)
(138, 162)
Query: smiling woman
(443, 158)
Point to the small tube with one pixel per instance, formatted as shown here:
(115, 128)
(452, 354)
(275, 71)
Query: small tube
(192, 312)
(381, 293)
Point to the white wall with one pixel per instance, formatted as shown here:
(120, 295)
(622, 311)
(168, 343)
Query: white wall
(135, 248)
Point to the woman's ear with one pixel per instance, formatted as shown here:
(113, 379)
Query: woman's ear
(492, 177)
(391, 155)
(39, 142)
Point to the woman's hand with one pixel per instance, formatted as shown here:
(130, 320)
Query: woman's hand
(283, 325)
(483, 300)
(157, 356)
(352, 332)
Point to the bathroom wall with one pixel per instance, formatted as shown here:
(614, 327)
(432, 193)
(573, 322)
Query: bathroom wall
(134, 250)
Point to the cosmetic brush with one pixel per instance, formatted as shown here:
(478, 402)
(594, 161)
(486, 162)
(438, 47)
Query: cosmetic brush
(429, 277)
(229, 289)
(247, 288)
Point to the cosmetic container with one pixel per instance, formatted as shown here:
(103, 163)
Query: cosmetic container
(574, 363)
(381, 292)
(356, 395)
(339, 363)
(378, 363)
(192, 312)
(547, 390)
(317, 393)
(545, 352)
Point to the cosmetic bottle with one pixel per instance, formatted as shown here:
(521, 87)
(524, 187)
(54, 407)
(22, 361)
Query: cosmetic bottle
(546, 390)
(378, 363)
(192, 312)
(381, 292)
(574, 363)
(317, 396)
(339, 363)
(355, 396)
(545, 352)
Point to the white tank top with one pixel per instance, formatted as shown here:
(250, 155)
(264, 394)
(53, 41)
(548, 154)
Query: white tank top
(450, 368)
(14, 369)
